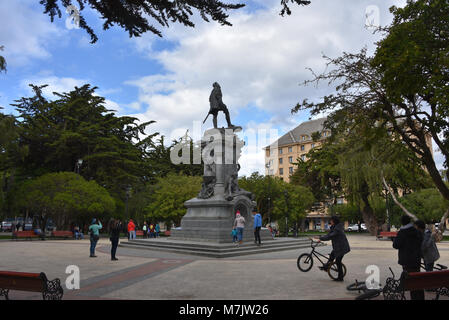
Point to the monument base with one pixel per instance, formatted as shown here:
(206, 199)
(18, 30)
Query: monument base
(212, 220)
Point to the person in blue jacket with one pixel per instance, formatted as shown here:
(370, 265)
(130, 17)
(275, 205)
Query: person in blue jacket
(94, 236)
(257, 227)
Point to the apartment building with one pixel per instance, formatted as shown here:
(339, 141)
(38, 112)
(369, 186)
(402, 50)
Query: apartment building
(294, 145)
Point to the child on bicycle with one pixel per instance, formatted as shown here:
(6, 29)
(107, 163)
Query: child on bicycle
(340, 245)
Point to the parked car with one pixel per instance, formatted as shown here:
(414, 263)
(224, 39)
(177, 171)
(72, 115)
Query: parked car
(7, 224)
(355, 227)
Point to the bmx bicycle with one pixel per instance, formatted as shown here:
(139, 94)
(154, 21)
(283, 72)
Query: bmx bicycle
(305, 262)
(367, 293)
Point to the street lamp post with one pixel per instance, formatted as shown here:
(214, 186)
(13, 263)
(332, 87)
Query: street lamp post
(386, 207)
(78, 165)
(128, 194)
(286, 212)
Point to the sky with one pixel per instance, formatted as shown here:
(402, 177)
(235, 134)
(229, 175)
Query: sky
(260, 63)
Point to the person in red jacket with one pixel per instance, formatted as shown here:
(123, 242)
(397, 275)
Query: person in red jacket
(131, 229)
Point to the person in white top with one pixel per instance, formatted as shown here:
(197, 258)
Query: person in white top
(239, 224)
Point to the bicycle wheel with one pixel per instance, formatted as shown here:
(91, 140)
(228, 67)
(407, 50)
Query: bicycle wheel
(305, 262)
(356, 286)
(333, 270)
(369, 294)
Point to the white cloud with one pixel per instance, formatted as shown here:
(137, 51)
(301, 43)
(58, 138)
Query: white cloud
(66, 84)
(55, 84)
(26, 32)
(261, 61)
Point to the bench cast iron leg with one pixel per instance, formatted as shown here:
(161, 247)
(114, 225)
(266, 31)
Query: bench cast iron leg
(54, 290)
(4, 292)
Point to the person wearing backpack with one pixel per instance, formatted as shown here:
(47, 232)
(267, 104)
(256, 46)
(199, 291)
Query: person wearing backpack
(429, 250)
(114, 236)
(239, 224)
(152, 230)
(157, 229)
(94, 236)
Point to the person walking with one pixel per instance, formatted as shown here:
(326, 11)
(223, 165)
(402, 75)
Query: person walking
(239, 224)
(145, 230)
(157, 229)
(94, 236)
(408, 242)
(152, 230)
(257, 227)
(340, 245)
(234, 234)
(114, 236)
(429, 250)
(131, 229)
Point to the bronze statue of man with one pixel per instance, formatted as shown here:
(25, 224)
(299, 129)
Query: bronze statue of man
(216, 104)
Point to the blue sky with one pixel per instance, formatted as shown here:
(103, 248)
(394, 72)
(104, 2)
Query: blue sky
(259, 62)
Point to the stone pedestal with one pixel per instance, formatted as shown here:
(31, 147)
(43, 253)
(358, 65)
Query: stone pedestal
(210, 216)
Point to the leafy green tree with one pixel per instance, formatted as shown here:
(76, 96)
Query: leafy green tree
(76, 126)
(64, 197)
(293, 204)
(403, 86)
(320, 173)
(169, 195)
(427, 204)
(348, 212)
(133, 15)
(269, 193)
(266, 190)
(2, 61)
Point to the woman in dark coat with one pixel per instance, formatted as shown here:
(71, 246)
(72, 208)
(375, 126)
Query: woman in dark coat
(340, 245)
(114, 233)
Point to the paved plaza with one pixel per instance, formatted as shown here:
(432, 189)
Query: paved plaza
(147, 274)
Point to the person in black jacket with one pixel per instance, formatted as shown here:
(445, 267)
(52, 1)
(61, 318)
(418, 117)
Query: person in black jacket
(408, 242)
(114, 233)
(340, 245)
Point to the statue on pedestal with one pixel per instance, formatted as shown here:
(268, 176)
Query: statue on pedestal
(216, 104)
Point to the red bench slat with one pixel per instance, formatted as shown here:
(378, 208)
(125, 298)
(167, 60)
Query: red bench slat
(426, 280)
(22, 274)
(62, 233)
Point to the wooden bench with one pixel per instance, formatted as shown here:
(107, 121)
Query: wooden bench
(62, 234)
(437, 280)
(24, 234)
(387, 234)
(32, 282)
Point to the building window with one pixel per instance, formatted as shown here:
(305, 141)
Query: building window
(340, 201)
(290, 170)
(313, 145)
(303, 157)
(290, 149)
(303, 138)
(280, 160)
(280, 150)
(325, 133)
(281, 171)
(303, 148)
(290, 159)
